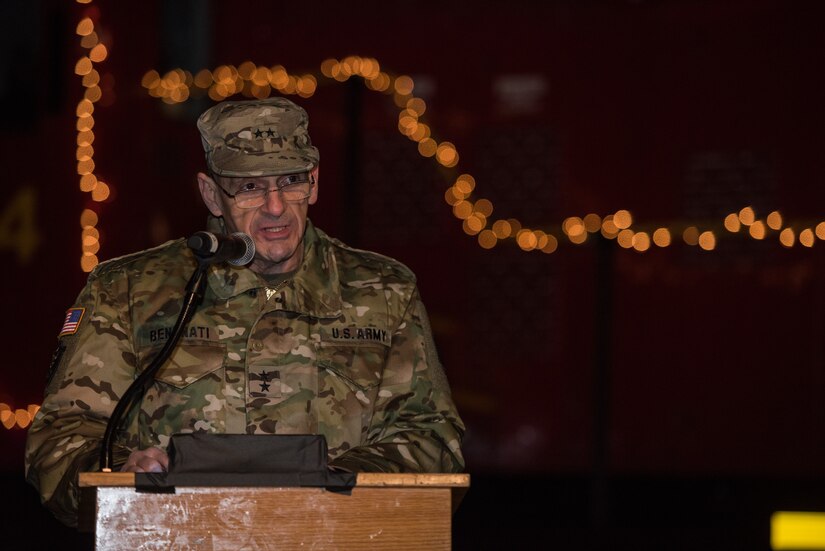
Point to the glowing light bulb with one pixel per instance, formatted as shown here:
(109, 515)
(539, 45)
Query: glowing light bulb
(470, 226)
(527, 240)
(774, 220)
(757, 229)
(707, 241)
(98, 53)
(609, 229)
(806, 237)
(622, 219)
(747, 216)
(7, 418)
(625, 239)
(88, 261)
(93, 94)
(484, 207)
(463, 209)
(421, 132)
(427, 147)
(691, 235)
(417, 105)
(327, 66)
(446, 154)
(100, 193)
(487, 239)
(203, 79)
(465, 184)
(578, 238)
(84, 152)
(732, 223)
(572, 226)
(85, 167)
(83, 66)
(502, 229)
(541, 239)
(88, 218)
(451, 198)
(85, 27)
(641, 241)
(85, 138)
(85, 123)
(661, 237)
(85, 108)
(592, 223)
(787, 237)
(551, 246)
(89, 41)
(404, 85)
(306, 86)
(90, 234)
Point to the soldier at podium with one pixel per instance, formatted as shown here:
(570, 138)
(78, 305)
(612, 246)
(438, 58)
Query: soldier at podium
(310, 337)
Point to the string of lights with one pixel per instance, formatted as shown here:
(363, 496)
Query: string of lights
(19, 418)
(258, 81)
(94, 52)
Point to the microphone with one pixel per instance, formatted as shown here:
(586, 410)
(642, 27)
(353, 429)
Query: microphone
(237, 249)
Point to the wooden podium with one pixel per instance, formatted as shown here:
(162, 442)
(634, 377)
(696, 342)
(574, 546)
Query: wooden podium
(383, 511)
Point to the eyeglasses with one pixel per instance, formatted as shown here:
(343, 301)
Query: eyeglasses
(293, 188)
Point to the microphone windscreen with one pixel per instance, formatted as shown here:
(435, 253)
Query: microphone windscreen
(248, 255)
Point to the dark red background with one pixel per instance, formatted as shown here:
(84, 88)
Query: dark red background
(592, 362)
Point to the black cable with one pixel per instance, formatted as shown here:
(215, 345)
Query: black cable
(194, 296)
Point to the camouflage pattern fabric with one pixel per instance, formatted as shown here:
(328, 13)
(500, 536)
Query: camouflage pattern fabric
(342, 349)
(265, 137)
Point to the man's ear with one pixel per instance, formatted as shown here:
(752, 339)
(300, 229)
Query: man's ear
(209, 194)
(313, 177)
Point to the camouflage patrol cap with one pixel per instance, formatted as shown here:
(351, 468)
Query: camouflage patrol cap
(264, 137)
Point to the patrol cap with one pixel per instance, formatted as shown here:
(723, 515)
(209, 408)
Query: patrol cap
(265, 137)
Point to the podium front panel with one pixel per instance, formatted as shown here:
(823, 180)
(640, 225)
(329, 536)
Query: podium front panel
(216, 518)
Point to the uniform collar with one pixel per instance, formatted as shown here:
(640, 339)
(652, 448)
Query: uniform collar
(315, 289)
(316, 284)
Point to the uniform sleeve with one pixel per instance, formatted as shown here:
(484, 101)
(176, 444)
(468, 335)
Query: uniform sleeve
(415, 426)
(90, 371)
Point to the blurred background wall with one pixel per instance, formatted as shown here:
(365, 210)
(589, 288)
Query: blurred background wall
(659, 388)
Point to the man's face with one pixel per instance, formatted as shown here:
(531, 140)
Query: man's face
(277, 227)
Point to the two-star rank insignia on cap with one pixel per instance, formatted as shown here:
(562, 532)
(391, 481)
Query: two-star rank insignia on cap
(72, 321)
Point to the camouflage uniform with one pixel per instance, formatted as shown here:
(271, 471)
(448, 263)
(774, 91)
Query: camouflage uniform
(342, 349)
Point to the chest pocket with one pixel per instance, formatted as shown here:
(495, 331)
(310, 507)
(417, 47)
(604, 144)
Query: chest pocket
(190, 362)
(349, 377)
(359, 367)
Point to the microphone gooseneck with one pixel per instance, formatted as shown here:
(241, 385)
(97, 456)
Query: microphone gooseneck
(208, 248)
(194, 296)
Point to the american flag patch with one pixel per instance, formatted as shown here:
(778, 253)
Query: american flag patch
(72, 321)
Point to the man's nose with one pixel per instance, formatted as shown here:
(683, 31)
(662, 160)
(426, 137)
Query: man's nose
(274, 203)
